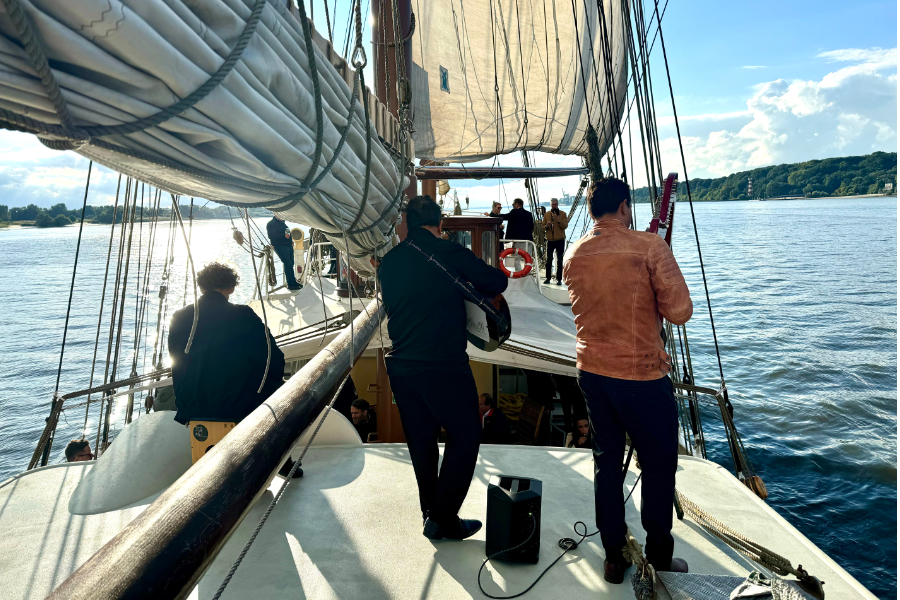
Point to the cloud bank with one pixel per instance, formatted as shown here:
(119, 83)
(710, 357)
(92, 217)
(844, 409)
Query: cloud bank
(850, 111)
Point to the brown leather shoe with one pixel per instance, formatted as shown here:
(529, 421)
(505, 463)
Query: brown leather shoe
(614, 572)
(679, 565)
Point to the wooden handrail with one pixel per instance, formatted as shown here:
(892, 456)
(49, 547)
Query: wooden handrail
(165, 550)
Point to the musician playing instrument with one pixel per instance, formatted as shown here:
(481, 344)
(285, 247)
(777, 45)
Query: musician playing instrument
(428, 366)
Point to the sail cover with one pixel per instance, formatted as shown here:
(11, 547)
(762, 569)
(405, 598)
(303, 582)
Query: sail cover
(495, 76)
(250, 142)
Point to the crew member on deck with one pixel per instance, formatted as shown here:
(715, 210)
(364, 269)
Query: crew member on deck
(280, 238)
(555, 223)
(496, 207)
(521, 222)
(219, 378)
(428, 365)
(620, 282)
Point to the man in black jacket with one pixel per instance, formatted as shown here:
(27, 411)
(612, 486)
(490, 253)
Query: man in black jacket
(280, 238)
(218, 379)
(521, 222)
(428, 366)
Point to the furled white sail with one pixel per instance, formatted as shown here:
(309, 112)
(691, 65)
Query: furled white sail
(250, 142)
(496, 76)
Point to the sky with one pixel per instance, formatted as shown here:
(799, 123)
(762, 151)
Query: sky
(755, 84)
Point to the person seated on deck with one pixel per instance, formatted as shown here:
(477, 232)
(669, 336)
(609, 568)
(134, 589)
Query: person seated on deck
(494, 425)
(280, 238)
(219, 378)
(581, 437)
(621, 282)
(79, 451)
(364, 420)
(428, 366)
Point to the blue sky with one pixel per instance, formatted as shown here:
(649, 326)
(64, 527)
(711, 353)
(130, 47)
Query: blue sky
(756, 83)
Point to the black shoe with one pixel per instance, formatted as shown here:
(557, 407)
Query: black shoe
(547, 281)
(559, 282)
(614, 572)
(460, 530)
(294, 289)
(285, 469)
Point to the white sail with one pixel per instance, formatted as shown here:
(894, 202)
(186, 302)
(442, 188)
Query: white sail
(496, 76)
(250, 142)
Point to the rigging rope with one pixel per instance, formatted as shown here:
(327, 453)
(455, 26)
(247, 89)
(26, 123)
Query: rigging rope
(262, 302)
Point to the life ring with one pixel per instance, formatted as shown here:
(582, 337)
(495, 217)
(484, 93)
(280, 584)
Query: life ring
(516, 274)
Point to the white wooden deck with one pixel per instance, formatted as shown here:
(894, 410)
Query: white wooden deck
(351, 528)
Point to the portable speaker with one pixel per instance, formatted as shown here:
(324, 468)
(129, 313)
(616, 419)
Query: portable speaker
(511, 504)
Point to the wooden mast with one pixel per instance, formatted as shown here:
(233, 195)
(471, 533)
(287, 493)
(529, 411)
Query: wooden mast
(384, 59)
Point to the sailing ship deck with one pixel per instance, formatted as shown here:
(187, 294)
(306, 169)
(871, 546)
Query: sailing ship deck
(351, 528)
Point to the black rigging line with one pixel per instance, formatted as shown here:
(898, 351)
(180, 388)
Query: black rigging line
(687, 184)
(62, 350)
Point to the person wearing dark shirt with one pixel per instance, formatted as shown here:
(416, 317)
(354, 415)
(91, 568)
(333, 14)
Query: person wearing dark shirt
(581, 437)
(428, 366)
(219, 378)
(280, 238)
(364, 419)
(521, 222)
(494, 425)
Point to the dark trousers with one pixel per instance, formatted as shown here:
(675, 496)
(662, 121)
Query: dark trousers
(428, 401)
(286, 254)
(646, 410)
(559, 246)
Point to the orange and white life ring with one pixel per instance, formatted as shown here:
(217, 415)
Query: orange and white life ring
(516, 274)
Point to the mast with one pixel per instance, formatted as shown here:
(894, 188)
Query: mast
(386, 90)
(387, 87)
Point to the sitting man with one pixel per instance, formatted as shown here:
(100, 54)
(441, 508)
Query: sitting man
(219, 378)
(79, 451)
(364, 420)
(494, 426)
(581, 437)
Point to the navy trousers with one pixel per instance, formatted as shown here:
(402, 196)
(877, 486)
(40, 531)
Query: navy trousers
(646, 410)
(286, 254)
(428, 401)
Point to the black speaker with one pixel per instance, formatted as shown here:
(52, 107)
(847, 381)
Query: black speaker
(511, 504)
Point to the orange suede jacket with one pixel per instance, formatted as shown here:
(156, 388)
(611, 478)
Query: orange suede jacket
(620, 282)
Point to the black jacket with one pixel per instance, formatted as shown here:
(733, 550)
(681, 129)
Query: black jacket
(521, 224)
(370, 426)
(276, 228)
(426, 311)
(218, 379)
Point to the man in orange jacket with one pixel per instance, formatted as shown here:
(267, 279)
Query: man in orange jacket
(621, 282)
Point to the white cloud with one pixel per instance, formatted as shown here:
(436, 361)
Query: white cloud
(850, 111)
(754, 67)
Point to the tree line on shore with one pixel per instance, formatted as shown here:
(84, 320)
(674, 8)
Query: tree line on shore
(59, 215)
(847, 176)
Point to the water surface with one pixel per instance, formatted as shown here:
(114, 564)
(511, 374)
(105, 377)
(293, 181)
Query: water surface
(803, 295)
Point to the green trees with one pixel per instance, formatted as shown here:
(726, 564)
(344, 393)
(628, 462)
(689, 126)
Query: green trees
(4, 212)
(846, 176)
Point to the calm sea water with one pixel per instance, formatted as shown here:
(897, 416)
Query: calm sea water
(804, 300)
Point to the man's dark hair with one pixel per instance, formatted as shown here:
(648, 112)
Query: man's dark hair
(217, 276)
(519, 202)
(423, 211)
(360, 404)
(489, 400)
(605, 196)
(74, 447)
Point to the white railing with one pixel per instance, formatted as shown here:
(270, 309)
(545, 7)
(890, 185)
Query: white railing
(531, 248)
(317, 261)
